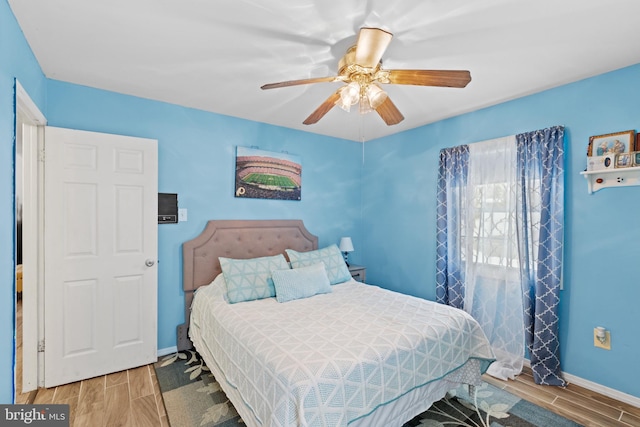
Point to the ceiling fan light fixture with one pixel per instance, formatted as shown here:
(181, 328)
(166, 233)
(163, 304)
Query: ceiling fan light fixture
(349, 96)
(346, 106)
(375, 95)
(365, 105)
(361, 69)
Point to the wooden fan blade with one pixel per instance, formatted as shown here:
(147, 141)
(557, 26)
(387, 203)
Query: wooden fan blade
(301, 82)
(389, 112)
(446, 78)
(323, 109)
(371, 44)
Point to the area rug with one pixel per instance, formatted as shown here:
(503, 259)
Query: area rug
(193, 398)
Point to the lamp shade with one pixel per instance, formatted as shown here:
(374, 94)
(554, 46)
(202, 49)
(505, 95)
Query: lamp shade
(346, 245)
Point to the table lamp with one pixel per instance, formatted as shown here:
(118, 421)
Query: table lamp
(346, 246)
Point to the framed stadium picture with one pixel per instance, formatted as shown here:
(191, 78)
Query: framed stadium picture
(267, 175)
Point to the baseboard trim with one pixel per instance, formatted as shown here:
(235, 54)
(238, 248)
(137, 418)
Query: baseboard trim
(167, 350)
(598, 388)
(605, 391)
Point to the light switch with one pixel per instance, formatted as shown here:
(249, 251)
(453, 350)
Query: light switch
(182, 215)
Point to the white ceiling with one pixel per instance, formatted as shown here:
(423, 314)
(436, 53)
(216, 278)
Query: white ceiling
(215, 54)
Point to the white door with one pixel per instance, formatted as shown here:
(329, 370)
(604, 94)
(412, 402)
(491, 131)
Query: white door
(100, 254)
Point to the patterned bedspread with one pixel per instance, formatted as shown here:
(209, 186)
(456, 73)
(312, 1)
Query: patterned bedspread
(333, 358)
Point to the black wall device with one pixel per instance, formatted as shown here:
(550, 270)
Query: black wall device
(167, 208)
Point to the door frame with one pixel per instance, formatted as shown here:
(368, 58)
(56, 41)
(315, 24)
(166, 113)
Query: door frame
(27, 112)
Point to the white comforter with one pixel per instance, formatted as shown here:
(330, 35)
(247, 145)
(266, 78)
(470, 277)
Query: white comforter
(331, 359)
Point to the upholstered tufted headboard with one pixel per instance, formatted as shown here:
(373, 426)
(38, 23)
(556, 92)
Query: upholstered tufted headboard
(240, 239)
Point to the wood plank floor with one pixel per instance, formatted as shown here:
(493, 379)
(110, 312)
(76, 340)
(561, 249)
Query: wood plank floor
(129, 398)
(132, 399)
(573, 402)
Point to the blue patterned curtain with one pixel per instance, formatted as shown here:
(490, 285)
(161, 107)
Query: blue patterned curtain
(539, 221)
(452, 179)
(541, 172)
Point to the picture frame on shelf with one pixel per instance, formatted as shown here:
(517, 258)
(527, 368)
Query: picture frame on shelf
(612, 143)
(636, 158)
(609, 161)
(637, 142)
(623, 160)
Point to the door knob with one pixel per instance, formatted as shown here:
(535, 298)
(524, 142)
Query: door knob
(149, 263)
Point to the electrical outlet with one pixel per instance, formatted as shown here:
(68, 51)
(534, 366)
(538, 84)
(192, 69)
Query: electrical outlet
(607, 340)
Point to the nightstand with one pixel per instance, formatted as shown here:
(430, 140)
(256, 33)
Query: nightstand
(358, 272)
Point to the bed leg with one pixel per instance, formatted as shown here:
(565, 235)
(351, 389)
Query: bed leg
(184, 343)
(182, 331)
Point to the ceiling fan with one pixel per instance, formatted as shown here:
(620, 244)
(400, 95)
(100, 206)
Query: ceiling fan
(360, 68)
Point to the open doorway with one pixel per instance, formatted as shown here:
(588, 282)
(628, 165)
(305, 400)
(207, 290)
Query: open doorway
(28, 176)
(19, 396)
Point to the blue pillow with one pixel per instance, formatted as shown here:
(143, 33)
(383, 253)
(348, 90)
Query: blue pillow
(301, 282)
(331, 257)
(250, 279)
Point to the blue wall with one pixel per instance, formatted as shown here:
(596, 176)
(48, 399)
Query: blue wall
(16, 60)
(602, 246)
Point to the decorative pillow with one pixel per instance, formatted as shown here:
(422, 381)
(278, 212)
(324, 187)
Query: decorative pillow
(337, 270)
(301, 282)
(250, 279)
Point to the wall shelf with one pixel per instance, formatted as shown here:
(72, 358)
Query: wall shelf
(620, 177)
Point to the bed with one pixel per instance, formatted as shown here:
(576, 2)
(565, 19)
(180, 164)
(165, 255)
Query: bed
(355, 355)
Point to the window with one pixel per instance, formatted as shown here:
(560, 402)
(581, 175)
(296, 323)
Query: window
(494, 240)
